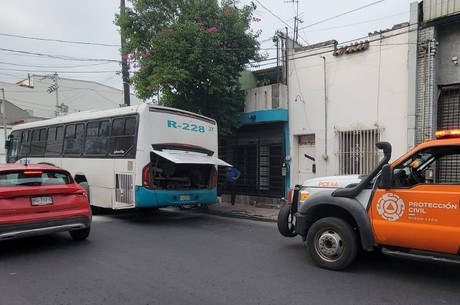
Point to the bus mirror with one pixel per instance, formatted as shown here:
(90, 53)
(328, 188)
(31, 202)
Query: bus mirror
(385, 182)
(7, 144)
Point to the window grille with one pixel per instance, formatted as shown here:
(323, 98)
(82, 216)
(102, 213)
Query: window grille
(357, 151)
(447, 169)
(449, 109)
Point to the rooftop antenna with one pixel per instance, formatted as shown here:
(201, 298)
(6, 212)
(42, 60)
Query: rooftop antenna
(297, 19)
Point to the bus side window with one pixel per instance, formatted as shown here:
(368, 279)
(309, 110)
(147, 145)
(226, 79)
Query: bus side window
(122, 137)
(74, 139)
(97, 137)
(54, 141)
(37, 144)
(24, 146)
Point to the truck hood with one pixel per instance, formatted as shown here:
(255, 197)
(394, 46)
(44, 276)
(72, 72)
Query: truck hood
(333, 181)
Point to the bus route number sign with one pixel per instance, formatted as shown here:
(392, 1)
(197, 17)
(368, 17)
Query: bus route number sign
(187, 126)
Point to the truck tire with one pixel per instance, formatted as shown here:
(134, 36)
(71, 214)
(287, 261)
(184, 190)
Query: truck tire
(286, 222)
(332, 243)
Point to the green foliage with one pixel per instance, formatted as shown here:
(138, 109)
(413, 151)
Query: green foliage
(192, 51)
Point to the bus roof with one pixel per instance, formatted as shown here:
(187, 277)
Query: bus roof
(95, 114)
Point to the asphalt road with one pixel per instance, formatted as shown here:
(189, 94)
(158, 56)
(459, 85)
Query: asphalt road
(184, 257)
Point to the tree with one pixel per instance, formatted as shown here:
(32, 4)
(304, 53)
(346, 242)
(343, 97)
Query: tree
(192, 51)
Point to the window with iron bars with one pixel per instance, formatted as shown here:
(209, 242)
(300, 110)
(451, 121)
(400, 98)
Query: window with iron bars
(447, 168)
(357, 151)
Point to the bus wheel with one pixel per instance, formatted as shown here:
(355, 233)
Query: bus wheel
(286, 222)
(332, 243)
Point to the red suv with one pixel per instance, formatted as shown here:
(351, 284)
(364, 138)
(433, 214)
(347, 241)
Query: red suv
(37, 199)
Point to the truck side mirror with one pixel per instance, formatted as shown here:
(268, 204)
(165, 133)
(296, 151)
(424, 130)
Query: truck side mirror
(386, 177)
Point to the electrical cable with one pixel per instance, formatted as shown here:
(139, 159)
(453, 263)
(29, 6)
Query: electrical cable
(60, 40)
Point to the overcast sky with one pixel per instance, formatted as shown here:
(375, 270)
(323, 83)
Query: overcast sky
(91, 23)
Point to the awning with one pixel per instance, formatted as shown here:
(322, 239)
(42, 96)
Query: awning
(189, 157)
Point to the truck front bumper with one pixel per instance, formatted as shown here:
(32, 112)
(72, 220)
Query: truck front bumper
(301, 224)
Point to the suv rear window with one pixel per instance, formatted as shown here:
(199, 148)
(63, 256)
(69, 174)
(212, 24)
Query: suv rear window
(34, 178)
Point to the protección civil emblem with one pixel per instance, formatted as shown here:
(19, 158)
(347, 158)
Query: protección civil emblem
(390, 206)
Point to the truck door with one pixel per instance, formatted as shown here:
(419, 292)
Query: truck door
(422, 209)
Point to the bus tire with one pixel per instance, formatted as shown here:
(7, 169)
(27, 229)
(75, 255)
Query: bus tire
(286, 222)
(332, 243)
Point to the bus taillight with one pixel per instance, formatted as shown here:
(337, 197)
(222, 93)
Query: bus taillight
(213, 177)
(147, 179)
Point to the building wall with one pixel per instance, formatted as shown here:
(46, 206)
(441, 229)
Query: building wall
(266, 98)
(437, 62)
(426, 83)
(448, 48)
(433, 9)
(364, 89)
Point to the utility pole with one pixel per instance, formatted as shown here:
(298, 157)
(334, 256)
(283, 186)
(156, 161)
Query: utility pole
(54, 88)
(297, 20)
(124, 61)
(3, 112)
(55, 78)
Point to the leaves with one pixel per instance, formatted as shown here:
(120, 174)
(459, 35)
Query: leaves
(193, 52)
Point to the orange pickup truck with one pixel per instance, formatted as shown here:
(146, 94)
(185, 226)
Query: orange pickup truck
(408, 208)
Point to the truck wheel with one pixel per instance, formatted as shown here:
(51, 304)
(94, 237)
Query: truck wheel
(332, 243)
(286, 222)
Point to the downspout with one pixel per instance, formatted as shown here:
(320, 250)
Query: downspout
(287, 180)
(286, 56)
(427, 86)
(325, 156)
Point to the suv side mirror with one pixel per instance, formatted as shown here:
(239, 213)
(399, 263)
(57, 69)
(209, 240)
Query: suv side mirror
(386, 177)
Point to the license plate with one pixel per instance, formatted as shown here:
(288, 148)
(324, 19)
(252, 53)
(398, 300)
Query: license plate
(43, 200)
(184, 197)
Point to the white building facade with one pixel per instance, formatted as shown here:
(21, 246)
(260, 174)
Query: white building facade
(50, 95)
(344, 99)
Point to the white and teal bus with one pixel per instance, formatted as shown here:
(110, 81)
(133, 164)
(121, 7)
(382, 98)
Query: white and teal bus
(137, 156)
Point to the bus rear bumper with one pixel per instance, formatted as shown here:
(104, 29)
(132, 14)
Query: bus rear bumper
(146, 198)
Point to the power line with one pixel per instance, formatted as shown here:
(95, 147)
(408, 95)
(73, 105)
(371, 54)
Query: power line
(57, 67)
(356, 23)
(53, 71)
(342, 14)
(60, 40)
(273, 14)
(62, 57)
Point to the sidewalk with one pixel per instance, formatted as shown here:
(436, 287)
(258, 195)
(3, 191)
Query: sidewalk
(239, 210)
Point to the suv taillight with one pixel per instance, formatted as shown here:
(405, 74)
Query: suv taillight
(81, 193)
(147, 179)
